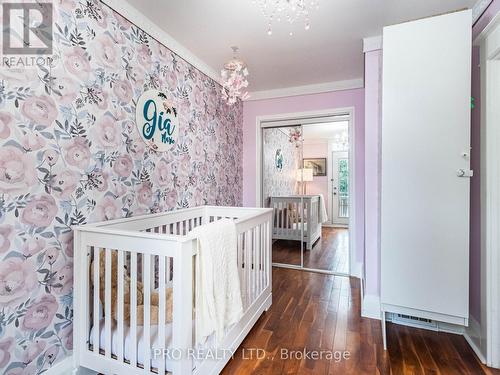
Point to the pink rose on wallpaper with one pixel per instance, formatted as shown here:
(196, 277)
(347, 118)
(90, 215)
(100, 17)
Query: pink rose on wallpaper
(77, 63)
(40, 109)
(6, 234)
(17, 171)
(32, 141)
(162, 173)
(33, 246)
(144, 56)
(63, 279)
(41, 313)
(40, 211)
(107, 208)
(77, 152)
(67, 337)
(66, 240)
(52, 253)
(123, 166)
(145, 194)
(67, 87)
(17, 279)
(33, 350)
(5, 123)
(65, 183)
(51, 157)
(108, 133)
(105, 50)
(6, 346)
(123, 90)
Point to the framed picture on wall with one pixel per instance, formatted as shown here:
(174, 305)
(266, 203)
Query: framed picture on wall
(318, 165)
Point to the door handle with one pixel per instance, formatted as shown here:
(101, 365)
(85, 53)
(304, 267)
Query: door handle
(465, 172)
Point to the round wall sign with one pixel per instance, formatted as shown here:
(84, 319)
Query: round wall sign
(157, 120)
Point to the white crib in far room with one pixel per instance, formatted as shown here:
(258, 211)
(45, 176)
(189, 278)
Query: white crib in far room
(297, 218)
(158, 251)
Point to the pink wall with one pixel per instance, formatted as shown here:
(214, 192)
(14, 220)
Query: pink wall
(319, 185)
(373, 66)
(330, 100)
(475, 203)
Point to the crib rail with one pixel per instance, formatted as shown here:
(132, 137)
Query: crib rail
(296, 218)
(114, 260)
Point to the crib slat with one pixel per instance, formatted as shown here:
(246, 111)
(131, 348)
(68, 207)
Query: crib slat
(133, 307)
(248, 264)
(259, 260)
(239, 262)
(161, 312)
(107, 304)
(146, 259)
(97, 288)
(119, 322)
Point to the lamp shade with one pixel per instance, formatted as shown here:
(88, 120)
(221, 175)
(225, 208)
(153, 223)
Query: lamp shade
(305, 175)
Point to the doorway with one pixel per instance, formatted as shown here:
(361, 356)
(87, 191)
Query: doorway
(297, 184)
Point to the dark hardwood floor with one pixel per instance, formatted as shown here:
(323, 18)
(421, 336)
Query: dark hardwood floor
(322, 313)
(330, 252)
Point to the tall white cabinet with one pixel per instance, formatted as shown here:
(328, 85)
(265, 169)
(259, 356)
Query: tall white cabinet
(426, 168)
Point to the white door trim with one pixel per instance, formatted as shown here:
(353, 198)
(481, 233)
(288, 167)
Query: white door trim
(489, 42)
(260, 123)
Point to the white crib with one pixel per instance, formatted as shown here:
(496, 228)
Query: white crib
(297, 215)
(151, 246)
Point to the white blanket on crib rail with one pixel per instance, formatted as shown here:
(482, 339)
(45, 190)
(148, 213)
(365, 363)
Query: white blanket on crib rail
(218, 294)
(323, 215)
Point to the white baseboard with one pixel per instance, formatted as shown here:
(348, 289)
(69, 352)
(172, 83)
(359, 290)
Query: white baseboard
(472, 335)
(371, 307)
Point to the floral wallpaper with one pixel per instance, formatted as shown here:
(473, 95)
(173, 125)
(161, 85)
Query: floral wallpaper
(70, 154)
(279, 178)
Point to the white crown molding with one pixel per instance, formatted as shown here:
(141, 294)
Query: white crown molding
(479, 8)
(372, 43)
(307, 89)
(126, 10)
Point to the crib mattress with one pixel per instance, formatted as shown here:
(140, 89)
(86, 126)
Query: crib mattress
(127, 352)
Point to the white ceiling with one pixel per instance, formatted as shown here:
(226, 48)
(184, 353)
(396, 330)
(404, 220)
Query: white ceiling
(321, 133)
(330, 51)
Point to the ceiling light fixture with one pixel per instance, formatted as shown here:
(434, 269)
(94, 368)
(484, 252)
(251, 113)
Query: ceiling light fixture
(287, 11)
(234, 77)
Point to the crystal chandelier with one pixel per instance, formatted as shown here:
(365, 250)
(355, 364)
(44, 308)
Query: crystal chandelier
(289, 11)
(234, 77)
(341, 142)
